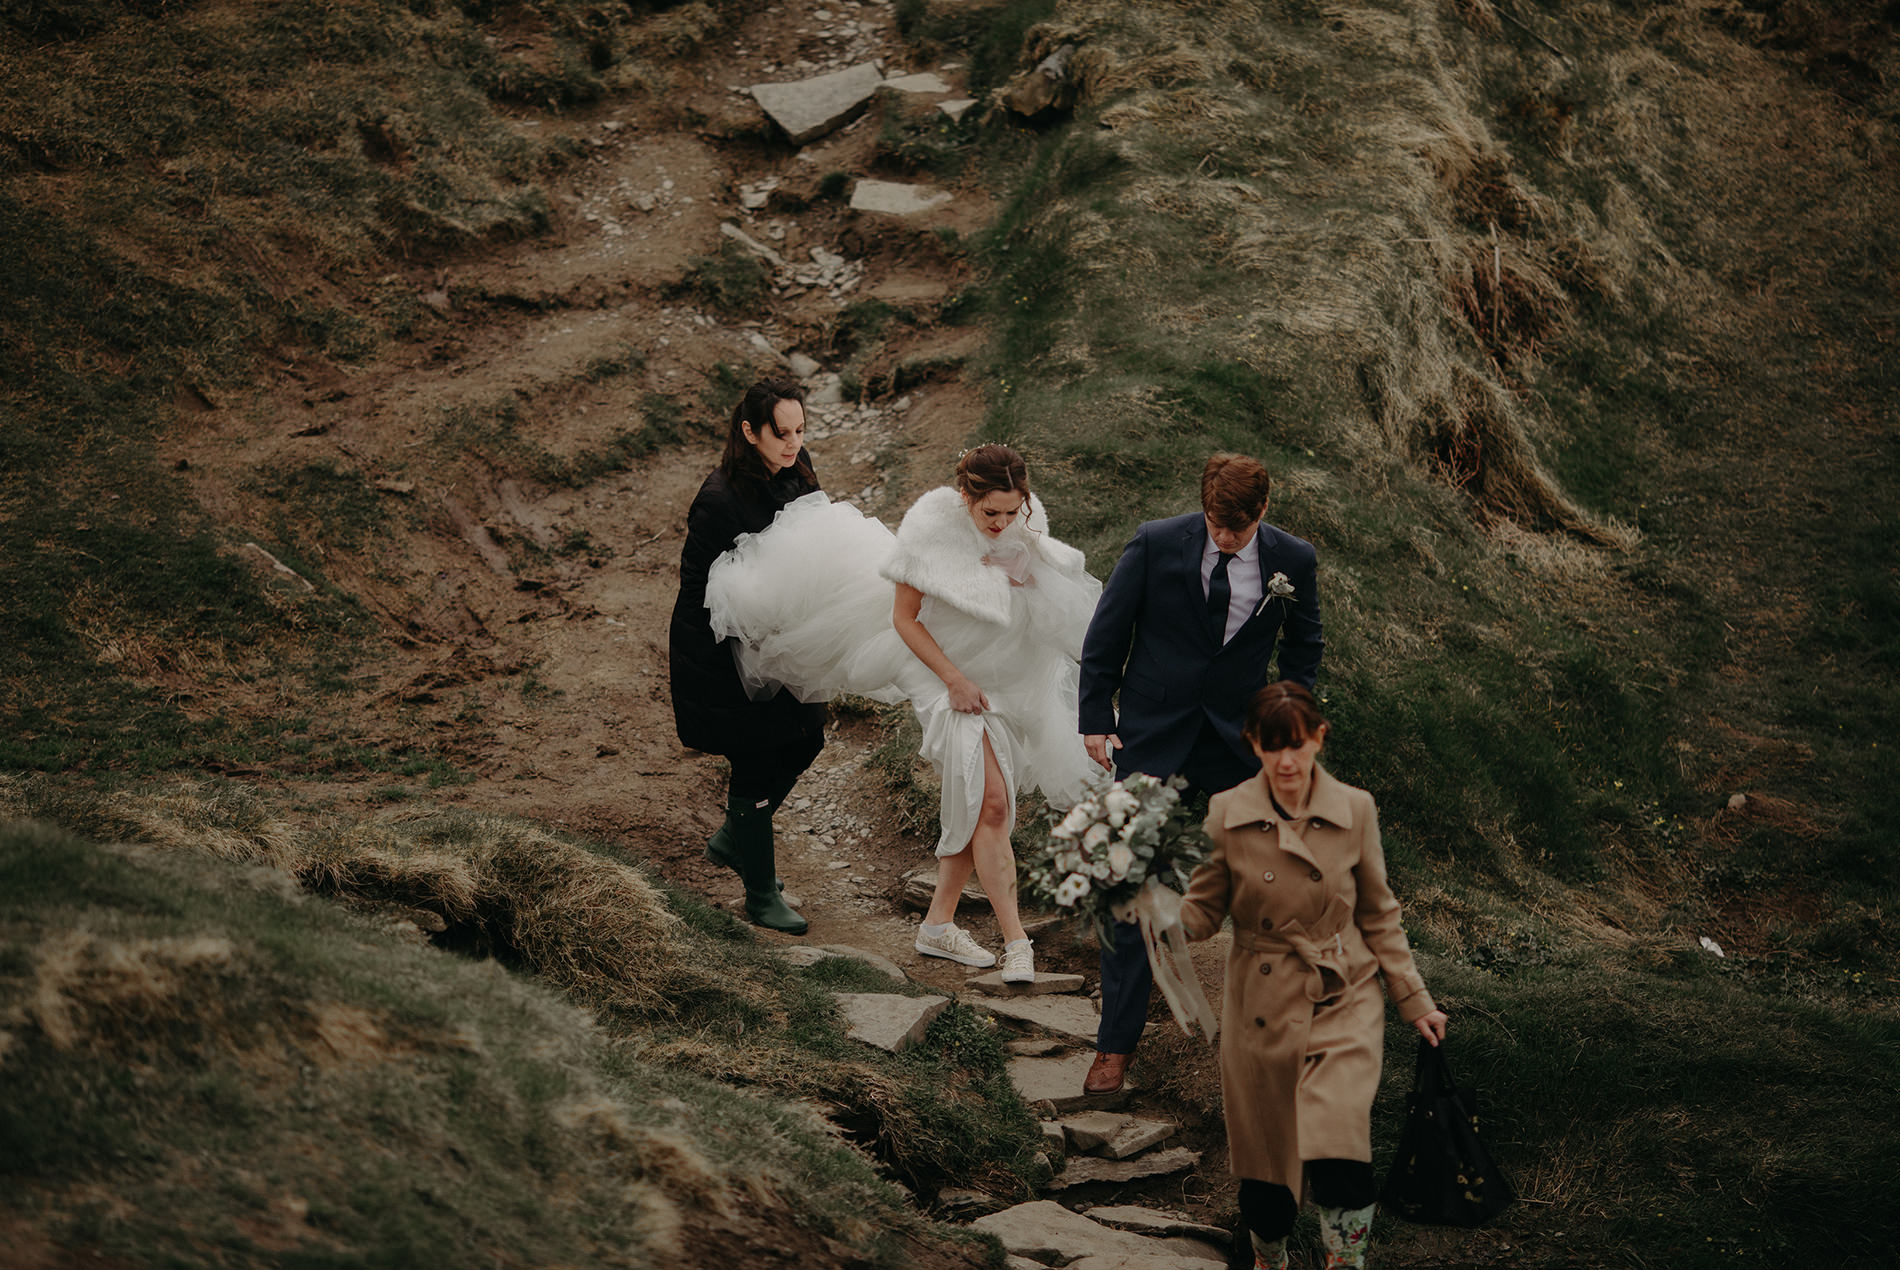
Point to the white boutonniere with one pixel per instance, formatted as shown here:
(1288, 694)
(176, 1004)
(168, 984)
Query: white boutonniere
(1278, 588)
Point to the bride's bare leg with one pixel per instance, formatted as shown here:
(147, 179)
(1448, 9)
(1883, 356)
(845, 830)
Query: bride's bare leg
(952, 872)
(989, 848)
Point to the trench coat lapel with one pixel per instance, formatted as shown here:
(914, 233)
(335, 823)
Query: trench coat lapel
(1252, 805)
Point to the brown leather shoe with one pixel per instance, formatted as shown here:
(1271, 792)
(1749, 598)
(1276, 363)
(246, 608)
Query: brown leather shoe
(1105, 1073)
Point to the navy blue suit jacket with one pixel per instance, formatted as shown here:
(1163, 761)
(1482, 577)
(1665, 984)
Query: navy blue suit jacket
(1152, 641)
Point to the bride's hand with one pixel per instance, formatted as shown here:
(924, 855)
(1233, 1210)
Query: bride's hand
(966, 697)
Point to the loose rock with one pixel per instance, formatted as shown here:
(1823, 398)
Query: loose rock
(1085, 1169)
(808, 109)
(886, 1020)
(893, 198)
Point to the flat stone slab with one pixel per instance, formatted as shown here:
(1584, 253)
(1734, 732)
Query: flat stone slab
(1152, 1221)
(752, 245)
(807, 109)
(887, 1020)
(894, 198)
(876, 960)
(804, 956)
(1058, 1081)
(957, 108)
(920, 887)
(922, 82)
(1085, 1169)
(1053, 1135)
(1043, 985)
(1149, 1261)
(1112, 1135)
(1045, 1231)
(1066, 1016)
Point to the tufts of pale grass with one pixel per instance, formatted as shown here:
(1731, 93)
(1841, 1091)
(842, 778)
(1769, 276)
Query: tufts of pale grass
(86, 988)
(1391, 239)
(596, 927)
(227, 821)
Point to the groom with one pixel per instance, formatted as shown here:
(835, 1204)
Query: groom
(1185, 630)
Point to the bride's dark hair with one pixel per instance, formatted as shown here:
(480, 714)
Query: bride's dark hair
(741, 461)
(992, 469)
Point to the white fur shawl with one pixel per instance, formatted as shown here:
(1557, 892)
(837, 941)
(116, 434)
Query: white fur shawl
(940, 552)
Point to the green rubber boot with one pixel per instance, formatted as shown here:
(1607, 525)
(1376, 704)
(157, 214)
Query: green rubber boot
(723, 848)
(752, 838)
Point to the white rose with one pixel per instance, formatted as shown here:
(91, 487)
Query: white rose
(1069, 861)
(1071, 889)
(1095, 837)
(1119, 858)
(1074, 823)
(1119, 804)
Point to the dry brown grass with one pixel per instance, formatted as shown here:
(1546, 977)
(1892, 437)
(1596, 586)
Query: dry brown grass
(595, 927)
(1385, 227)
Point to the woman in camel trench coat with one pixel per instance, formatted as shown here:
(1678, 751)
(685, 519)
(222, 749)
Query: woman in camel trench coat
(1296, 863)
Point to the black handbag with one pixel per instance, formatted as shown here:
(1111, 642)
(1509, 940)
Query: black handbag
(1443, 1175)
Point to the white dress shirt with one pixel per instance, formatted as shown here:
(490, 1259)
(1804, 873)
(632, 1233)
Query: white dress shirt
(1243, 579)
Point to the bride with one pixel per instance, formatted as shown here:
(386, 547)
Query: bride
(974, 613)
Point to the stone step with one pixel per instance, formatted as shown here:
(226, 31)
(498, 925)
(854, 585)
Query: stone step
(894, 198)
(1152, 1221)
(1058, 1081)
(805, 955)
(1085, 1169)
(1163, 1261)
(1114, 1135)
(886, 1019)
(1044, 984)
(808, 109)
(1073, 1017)
(1047, 1233)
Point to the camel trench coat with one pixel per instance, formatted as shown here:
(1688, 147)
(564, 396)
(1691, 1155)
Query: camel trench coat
(1302, 1015)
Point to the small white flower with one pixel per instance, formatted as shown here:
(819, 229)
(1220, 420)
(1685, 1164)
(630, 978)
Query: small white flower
(1119, 804)
(1099, 869)
(1068, 861)
(1074, 823)
(1095, 837)
(1119, 858)
(1071, 889)
(1278, 588)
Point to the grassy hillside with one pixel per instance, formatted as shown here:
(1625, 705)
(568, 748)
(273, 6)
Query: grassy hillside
(202, 1062)
(1567, 330)
(1581, 381)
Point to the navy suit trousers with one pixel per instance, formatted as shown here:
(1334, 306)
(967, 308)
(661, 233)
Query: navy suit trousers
(1127, 980)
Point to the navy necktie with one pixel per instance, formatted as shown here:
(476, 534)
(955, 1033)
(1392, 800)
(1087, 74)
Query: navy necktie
(1220, 593)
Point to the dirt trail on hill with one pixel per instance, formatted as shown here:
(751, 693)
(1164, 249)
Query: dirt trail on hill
(529, 618)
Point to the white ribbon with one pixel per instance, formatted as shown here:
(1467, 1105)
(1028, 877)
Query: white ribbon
(1158, 910)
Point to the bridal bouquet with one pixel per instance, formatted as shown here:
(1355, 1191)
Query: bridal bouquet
(1109, 845)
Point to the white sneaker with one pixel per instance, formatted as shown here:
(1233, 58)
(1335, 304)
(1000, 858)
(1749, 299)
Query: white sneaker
(956, 944)
(1019, 962)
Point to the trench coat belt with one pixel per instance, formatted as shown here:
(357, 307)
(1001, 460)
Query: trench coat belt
(1322, 949)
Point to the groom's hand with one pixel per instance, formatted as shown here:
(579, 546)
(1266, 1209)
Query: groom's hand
(1100, 747)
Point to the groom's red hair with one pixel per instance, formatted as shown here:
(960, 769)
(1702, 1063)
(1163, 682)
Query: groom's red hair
(1234, 490)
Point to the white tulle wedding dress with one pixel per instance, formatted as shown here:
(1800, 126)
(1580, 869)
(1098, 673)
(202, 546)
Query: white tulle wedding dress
(810, 598)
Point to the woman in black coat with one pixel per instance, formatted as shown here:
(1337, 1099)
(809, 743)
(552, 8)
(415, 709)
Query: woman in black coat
(771, 742)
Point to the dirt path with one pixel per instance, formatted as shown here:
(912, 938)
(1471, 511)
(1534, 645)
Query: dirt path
(528, 618)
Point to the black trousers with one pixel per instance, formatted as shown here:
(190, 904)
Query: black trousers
(1269, 1209)
(1127, 980)
(765, 776)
